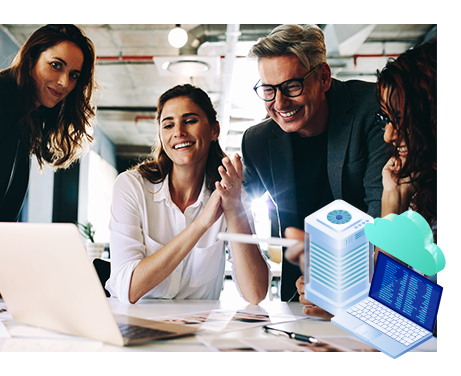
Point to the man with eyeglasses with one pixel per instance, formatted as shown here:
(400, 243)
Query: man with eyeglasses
(320, 143)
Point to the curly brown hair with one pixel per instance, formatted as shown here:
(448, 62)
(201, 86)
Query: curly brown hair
(159, 165)
(55, 135)
(410, 100)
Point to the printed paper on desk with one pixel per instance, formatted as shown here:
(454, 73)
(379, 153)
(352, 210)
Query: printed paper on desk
(342, 343)
(227, 320)
(248, 345)
(270, 344)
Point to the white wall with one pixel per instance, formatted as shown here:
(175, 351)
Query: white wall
(95, 194)
(97, 175)
(40, 195)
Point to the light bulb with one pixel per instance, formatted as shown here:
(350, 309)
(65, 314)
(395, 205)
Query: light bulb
(177, 37)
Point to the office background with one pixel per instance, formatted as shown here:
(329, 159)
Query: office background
(130, 83)
(137, 63)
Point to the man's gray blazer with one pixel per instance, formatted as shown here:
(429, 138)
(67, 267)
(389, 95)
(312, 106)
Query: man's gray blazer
(355, 157)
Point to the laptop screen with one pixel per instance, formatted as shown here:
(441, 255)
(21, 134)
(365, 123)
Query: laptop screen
(405, 291)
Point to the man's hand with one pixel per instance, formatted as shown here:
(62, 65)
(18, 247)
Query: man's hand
(295, 255)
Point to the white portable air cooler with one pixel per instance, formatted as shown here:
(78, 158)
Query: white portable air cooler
(339, 257)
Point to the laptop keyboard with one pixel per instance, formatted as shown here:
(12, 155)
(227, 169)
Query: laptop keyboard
(138, 332)
(387, 321)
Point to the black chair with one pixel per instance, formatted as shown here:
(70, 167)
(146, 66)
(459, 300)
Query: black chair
(103, 269)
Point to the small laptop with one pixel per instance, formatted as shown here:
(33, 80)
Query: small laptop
(400, 311)
(47, 280)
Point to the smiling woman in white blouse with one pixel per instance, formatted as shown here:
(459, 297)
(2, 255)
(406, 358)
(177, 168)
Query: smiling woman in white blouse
(166, 213)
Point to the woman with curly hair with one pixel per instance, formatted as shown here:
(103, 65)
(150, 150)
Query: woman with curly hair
(407, 92)
(45, 108)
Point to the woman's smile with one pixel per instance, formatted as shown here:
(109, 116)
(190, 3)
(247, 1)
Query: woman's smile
(185, 132)
(403, 151)
(183, 145)
(54, 92)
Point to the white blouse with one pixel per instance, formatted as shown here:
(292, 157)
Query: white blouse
(143, 220)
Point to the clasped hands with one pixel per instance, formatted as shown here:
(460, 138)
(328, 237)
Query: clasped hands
(226, 198)
(230, 186)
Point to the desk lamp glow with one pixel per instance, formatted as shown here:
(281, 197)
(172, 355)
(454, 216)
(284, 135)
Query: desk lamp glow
(338, 258)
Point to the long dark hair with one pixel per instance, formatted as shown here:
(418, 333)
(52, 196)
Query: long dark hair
(411, 102)
(56, 135)
(159, 165)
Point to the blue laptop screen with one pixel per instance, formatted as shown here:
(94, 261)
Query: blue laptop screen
(405, 291)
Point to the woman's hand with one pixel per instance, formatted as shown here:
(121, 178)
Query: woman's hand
(211, 212)
(251, 271)
(396, 197)
(226, 197)
(390, 173)
(230, 186)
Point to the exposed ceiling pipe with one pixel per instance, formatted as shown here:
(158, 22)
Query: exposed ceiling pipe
(139, 118)
(217, 33)
(199, 35)
(149, 59)
(124, 58)
(115, 60)
(356, 56)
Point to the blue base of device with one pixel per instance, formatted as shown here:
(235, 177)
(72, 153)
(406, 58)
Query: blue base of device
(330, 306)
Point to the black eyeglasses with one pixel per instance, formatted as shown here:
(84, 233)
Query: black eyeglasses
(382, 120)
(290, 88)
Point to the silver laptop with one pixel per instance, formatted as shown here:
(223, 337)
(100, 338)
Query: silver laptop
(400, 311)
(47, 280)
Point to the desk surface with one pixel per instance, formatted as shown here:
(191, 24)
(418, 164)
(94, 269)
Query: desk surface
(324, 330)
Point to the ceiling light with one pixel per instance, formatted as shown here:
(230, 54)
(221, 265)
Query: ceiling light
(188, 68)
(188, 65)
(177, 37)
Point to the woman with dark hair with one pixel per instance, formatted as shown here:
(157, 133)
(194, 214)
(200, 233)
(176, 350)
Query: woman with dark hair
(407, 92)
(45, 108)
(166, 212)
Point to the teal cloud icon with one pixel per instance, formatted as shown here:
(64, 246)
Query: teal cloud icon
(407, 237)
